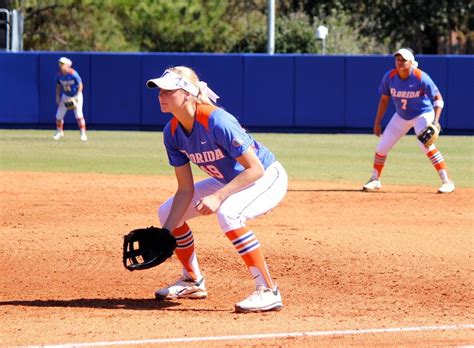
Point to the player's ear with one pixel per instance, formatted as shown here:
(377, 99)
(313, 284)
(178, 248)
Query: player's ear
(189, 97)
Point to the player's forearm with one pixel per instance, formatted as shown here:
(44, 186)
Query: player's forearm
(181, 202)
(241, 181)
(381, 109)
(437, 114)
(438, 107)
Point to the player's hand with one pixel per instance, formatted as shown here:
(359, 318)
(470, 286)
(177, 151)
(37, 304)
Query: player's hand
(208, 205)
(377, 129)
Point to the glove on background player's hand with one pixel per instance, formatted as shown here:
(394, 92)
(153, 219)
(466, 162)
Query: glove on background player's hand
(71, 103)
(144, 248)
(429, 134)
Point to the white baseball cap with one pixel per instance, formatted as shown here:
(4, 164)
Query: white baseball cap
(407, 55)
(171, 81)
(65, 60)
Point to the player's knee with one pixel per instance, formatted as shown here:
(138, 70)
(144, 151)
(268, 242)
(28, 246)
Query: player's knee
(382, 150)
(424, 148)
(229, 219)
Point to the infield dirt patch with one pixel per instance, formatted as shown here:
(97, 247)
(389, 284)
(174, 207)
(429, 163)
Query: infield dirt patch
(343, 259)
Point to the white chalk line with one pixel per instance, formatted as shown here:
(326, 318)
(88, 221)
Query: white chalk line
(267, 336)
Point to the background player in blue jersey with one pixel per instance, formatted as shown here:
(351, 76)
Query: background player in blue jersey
(69, 88)
(418, 103)
(245, 181)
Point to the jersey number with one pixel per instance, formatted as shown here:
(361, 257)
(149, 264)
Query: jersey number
(404, 104)
(212, 171)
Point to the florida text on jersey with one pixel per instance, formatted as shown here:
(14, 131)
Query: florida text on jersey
(69, 82)
(412, 96)
(215, 142)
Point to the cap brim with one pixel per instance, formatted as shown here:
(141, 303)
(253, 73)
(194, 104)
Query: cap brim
(407, 55)
(161, 83)
(172, 81)
(397, 53)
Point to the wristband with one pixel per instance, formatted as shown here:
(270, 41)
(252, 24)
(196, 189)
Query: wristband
(438, 103)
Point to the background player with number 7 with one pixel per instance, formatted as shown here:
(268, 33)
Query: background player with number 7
(418, 104)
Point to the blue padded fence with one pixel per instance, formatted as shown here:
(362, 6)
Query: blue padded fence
(301, 92)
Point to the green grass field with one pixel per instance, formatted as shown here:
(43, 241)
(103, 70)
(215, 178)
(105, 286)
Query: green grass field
(328, 157)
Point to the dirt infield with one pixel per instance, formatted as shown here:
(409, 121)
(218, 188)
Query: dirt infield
(344, 260)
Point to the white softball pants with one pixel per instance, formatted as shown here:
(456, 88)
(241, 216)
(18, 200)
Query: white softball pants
(61, 112)
(251, 202)
(398, 127)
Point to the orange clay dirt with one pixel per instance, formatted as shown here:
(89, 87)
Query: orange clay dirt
(344, 260)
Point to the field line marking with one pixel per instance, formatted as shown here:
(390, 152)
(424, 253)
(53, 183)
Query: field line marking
(268, 335)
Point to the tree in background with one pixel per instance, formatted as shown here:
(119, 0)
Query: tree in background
(176, 26)
(364, 26)
(295, 29)
(71, 25)
(430, 27)
(345, 37)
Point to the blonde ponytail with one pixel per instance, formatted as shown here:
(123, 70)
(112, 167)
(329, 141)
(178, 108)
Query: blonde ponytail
(205, 93)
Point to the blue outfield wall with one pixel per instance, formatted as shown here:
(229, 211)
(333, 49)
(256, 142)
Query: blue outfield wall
(300, 92)
(19, 88)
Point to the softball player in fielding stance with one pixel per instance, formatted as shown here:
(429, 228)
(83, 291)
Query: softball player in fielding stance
(418, 103)
(245, 181)
(68, 85)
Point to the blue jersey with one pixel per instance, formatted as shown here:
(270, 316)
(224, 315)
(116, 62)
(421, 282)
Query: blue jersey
(412, 96)
(215, 142)
(69, 82)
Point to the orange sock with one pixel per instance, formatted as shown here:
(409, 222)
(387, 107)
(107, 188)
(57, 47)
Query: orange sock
(185, 251)
(81, 123)
(436, 159)
(379, 162)
(59, 125)
(249, 249)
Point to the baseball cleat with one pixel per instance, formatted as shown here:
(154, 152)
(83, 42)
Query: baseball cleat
(58, 135)
(84, 137)
(261, 300)
(183, 288)
(372, 185)
(447, 187)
